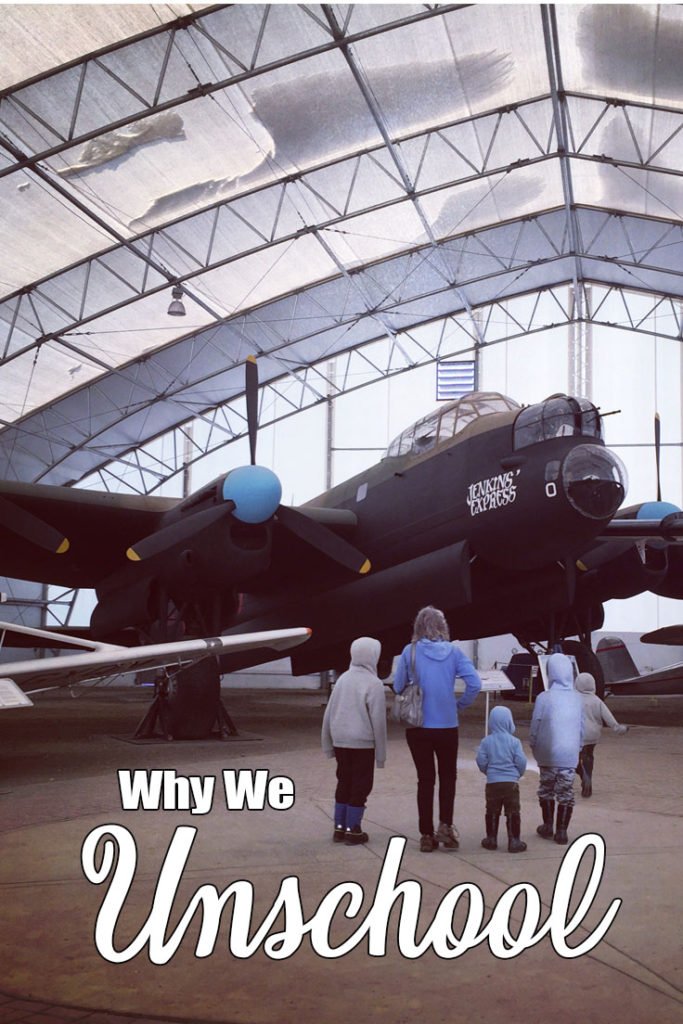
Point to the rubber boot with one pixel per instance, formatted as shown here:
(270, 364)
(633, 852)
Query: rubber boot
(491, 840)
(339, 822)
(564, 813)
(548, 810)
(514, 826)
(587, 760)
(354, 835)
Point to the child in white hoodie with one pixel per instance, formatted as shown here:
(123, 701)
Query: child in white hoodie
(595, 714)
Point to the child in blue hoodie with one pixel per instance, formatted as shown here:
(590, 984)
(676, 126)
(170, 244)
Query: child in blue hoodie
(501, 758)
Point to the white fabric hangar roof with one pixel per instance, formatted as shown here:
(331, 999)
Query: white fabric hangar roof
(315, 177)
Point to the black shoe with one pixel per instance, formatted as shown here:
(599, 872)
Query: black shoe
(355, 836)
(339, 834)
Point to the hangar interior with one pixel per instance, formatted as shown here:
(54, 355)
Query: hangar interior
(356, 194)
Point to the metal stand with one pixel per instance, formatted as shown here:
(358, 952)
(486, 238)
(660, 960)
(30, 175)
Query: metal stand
(157, 711)
(226, 726)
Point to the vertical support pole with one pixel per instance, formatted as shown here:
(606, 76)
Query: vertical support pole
(580, 349)
(326, 674)
(187, 460)
(329, 461)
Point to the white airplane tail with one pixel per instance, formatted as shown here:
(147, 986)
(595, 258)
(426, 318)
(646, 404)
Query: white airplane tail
(615, 659)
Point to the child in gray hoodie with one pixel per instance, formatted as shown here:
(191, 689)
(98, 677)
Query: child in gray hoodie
(501, 758)
(354, 731)
(595, 714)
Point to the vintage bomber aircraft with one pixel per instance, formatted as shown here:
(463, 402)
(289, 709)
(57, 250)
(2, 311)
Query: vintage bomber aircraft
(506, 517)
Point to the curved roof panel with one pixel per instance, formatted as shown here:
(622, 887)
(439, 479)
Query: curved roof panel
(315, 177)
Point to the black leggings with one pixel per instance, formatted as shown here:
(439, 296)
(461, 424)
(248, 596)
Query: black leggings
(586, 759)
(426, 745)
(355, 775)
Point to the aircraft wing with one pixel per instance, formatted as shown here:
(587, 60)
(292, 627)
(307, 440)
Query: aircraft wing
(668, 528)
(665, 635)
(68, 536)
(622, 676)
(79, 668)
(664, 682)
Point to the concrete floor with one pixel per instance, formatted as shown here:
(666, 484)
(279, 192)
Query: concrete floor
(58, 782)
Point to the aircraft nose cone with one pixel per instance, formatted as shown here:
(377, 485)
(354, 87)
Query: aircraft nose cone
(256, 492)
(594, 480)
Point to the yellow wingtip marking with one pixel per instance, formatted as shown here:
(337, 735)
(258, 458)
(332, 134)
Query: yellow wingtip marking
(581, 566)
(133, 555)
(365, 567)
(251, 359)
(63, 547)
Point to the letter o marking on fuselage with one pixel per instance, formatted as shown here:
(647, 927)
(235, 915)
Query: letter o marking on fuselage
(551, 489)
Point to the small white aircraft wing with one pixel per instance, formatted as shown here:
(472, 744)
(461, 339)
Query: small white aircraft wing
(80, 668)
(623, 678)
(664, 682)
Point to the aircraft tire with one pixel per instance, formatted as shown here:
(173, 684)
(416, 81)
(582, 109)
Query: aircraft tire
(193, 699)
(587, 661)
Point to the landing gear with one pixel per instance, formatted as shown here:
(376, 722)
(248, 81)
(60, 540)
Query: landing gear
(385, 667)
(523, 673)
(188, 706)
(587, 661)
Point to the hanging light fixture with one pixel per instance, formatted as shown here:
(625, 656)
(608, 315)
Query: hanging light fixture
(177, 307)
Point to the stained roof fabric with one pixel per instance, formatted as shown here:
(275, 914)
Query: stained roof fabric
(315, 177)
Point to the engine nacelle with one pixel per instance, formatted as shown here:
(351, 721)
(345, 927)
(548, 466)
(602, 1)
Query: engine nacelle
(219, 559)
(122, 607)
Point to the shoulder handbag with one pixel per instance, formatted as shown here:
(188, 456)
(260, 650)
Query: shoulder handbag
(407, 707)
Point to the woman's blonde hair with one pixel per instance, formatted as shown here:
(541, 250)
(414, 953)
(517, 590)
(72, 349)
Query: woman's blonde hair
(430, 624)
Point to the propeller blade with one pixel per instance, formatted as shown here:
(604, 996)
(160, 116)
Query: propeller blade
(31, 528)
(185, 529)
(251, 392)
(323, 540)
(657, 450)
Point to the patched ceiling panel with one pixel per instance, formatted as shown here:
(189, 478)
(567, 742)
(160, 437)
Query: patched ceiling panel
(314, 178)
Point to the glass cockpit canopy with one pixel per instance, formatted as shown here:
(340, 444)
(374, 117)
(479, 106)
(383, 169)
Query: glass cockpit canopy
(558, 416)
(443, 424)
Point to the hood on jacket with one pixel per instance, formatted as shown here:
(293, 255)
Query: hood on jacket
(501, 720)
(437, 650)
(560, 672)
(585, 682)
(365, 652)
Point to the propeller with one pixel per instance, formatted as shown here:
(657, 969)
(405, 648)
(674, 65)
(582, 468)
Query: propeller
(324, 540)
(251, 494)
(28, 526)
(183, 530)
(251, 394)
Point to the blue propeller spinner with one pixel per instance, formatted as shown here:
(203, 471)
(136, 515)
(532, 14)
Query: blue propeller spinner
(255, 492)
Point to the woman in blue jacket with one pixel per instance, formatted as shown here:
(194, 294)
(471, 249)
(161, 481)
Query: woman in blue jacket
(434, 746)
